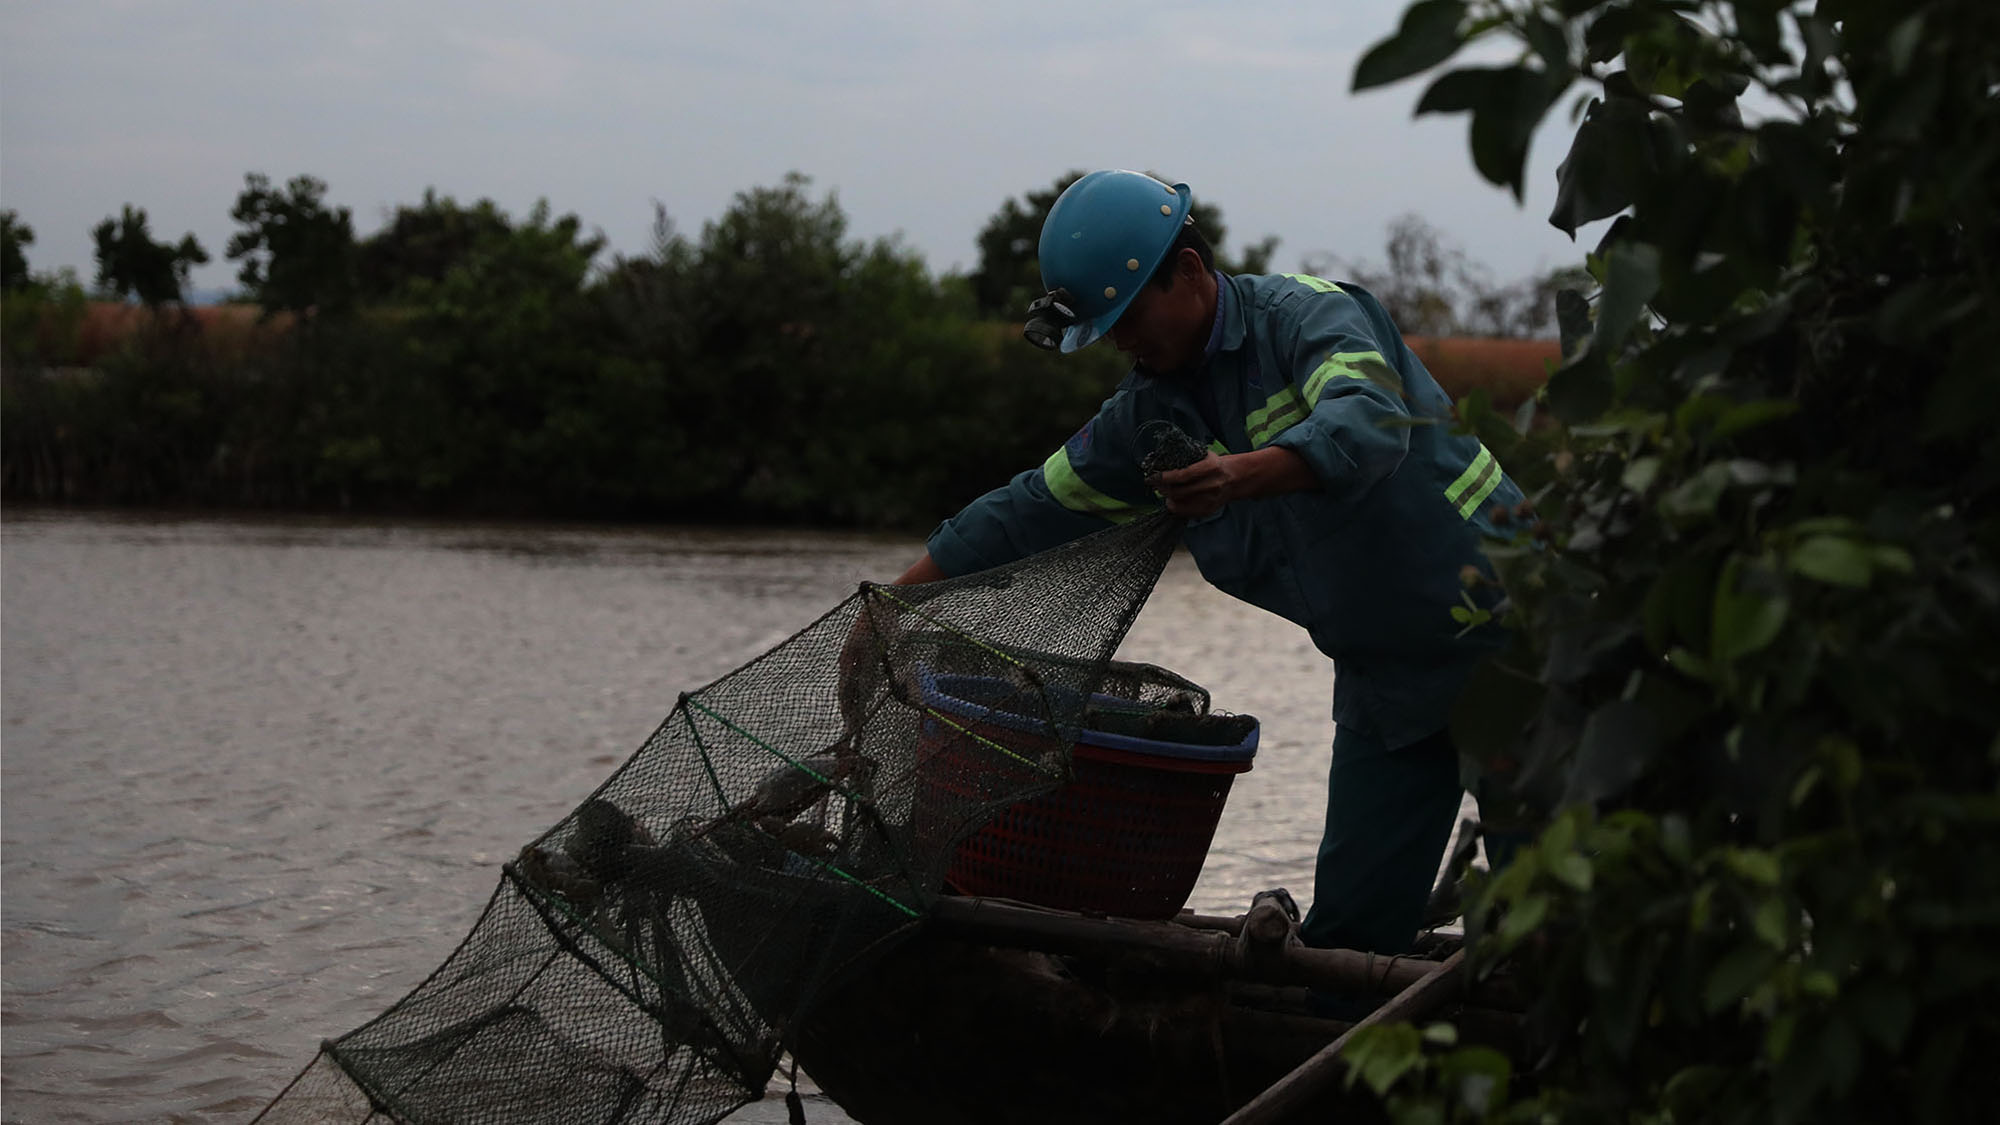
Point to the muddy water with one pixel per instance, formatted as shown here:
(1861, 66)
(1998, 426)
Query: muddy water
(257, 777)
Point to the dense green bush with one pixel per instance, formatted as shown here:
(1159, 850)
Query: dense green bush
(458, 360)
(1754, 688)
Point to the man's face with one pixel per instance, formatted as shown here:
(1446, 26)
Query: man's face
(1167, 329)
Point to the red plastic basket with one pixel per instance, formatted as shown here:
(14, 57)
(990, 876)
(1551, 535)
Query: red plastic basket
(1126, 836)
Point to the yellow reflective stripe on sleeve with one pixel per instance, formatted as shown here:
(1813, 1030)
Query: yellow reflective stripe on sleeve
(1316, 284)
(1218, 448)
(1475, 484)
(1071, 492)
(1480, 494)
(1351, 365)
(1474, 471)
(1277, 414)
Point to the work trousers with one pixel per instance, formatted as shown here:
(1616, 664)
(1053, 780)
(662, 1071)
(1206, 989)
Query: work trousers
(1389, 814)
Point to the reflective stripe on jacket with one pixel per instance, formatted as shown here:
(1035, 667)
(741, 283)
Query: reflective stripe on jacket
(1369, 564)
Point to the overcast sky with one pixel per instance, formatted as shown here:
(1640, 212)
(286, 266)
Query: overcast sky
(923, 118)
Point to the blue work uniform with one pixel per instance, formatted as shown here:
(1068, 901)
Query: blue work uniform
(1370, 563)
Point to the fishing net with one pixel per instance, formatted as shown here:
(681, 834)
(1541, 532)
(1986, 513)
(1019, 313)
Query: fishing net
(649, 957)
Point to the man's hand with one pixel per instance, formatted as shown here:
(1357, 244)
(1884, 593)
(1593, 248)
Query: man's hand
(1203, 488)
(1199, 490)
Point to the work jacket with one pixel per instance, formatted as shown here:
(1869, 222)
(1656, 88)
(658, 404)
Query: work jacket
(1370, 563)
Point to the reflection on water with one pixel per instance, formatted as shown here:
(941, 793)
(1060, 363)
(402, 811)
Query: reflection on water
(259, 775)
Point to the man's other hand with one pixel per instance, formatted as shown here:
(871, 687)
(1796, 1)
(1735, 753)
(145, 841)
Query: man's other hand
(1203, 488)
(1199, 490)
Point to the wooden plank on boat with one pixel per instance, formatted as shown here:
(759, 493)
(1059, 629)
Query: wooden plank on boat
(1185, 949)
(1436, 988)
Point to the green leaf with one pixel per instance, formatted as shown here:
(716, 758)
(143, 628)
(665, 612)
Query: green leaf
(1461, 90)
(1688, 664)
(1819, 984)
(1428, 36)
(1618, 1011)
(1690, 1089)
(1382, 1054)
(1581, 389)
(1903, 43)
(1652, 62)
(1559, 836)
(1845, 758)
(1640, 473)
(1736, 975)
(1797, 159)
(1710, 105)
(1803, 787)
(1745, 620)
(1572, 321)
(1481, 1075)
(1834, 560)
(1753, 864)
(1826, 525)
(1605, 39)
(1504, 126)
(1752, 414)
(1492, 710)
(1778, 1036)
(1597, 178)
(1523, 918)
(1679, 605)
(1550, 44)
(1883, 1010)
(1631, 277)
(1619, 740)
(1571, 870)
(1701, 907)
(1441, 1035)
(1891, 558)
(1770, 921)
(1676, 839)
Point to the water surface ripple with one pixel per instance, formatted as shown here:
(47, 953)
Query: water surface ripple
(257, 776)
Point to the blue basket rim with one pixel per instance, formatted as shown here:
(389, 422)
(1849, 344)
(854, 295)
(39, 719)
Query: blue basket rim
(935, 688)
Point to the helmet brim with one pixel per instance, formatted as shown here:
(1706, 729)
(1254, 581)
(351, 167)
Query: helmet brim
(1080, 336)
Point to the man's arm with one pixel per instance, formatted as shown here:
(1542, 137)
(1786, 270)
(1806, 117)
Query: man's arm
(1090, 482)
(1357, 425)
(924, 570)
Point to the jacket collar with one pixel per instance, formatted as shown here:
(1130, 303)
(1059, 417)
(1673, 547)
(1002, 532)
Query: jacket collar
(1229, 325)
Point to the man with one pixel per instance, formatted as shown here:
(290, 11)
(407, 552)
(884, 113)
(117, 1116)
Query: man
(1333, 493)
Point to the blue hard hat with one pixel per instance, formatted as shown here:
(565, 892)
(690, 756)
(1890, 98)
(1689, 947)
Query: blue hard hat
(1102, 240)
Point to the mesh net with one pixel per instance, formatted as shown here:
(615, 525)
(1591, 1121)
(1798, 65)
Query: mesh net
(648, 957)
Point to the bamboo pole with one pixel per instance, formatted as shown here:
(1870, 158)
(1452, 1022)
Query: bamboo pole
(1180, 948)
(1436, 988)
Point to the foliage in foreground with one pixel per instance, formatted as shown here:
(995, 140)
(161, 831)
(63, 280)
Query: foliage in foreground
(1754, 692)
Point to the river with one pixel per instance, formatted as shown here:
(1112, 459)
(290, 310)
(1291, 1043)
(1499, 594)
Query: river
(257, 776)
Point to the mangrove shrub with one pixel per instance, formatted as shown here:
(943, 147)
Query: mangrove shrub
(1753, 694)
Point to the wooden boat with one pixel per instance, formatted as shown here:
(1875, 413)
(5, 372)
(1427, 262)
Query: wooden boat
(996, 1012)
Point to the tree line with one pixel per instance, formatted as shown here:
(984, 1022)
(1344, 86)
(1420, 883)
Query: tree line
(459, 359)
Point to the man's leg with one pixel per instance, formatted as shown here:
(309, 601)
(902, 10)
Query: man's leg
(1389, 814)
